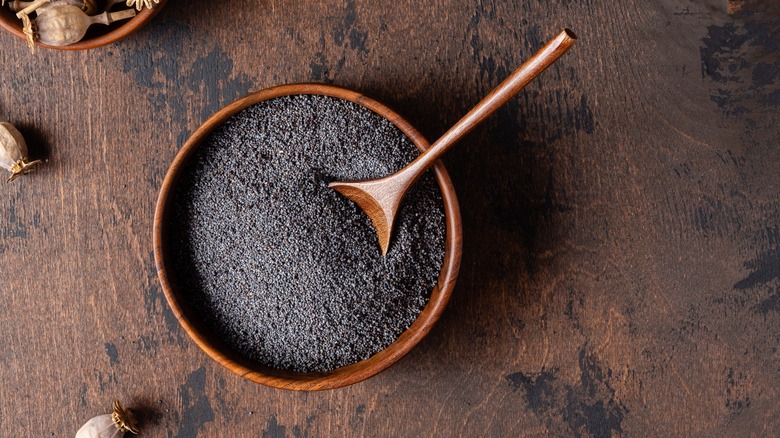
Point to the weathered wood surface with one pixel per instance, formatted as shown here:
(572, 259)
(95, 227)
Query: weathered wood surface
(621, 268)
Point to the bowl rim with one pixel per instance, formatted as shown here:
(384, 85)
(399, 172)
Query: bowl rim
(349, 374)
(9, 22)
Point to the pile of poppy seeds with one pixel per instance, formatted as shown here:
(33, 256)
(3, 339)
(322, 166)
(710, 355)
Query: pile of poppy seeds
(285, 270)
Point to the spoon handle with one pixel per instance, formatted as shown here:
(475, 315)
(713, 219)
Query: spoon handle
(496, 99)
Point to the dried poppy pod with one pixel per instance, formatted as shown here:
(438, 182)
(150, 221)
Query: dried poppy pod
(25, 8)
(64, 24)
(113, 425)
(13, 151)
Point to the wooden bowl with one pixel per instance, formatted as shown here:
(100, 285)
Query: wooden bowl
(97, 35)
(257, 372)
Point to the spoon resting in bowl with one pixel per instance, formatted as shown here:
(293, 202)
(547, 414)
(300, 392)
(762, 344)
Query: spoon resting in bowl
(380, 198)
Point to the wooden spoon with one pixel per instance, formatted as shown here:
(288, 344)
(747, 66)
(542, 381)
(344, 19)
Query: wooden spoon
(380, 198)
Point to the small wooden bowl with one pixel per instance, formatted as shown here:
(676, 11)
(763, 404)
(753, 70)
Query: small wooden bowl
(95, 37)
(257, 372)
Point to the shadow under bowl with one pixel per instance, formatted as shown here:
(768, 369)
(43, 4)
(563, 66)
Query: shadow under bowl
(257, 372)
(97, 35)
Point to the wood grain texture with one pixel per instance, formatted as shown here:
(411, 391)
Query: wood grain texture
(621, 219)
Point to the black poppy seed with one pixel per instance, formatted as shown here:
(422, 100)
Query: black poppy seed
(283, 268)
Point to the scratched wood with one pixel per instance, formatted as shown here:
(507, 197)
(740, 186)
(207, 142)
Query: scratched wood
(621, 267)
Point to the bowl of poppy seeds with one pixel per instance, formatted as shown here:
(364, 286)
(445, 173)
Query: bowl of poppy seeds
(280, 278)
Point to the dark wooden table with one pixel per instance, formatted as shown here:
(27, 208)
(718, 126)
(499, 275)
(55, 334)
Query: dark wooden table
(621, 267)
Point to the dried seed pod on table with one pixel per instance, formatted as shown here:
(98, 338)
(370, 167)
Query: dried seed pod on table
(113, 425)
(63, 24)
(13, 151)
